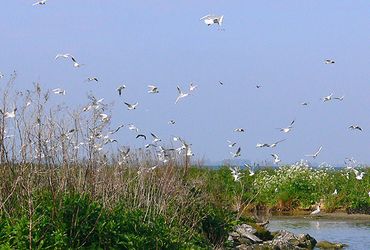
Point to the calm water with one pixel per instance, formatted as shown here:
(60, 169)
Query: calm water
(354, 233)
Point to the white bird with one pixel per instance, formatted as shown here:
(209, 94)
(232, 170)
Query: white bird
(339, 98)
(329, 61)
(262, 145)
(235, 172)
(317, 211)
(181, 94)
(59, 91)
(116, 130)
(335, 192)
(193, 87)
(1, 75)
(237, 153)
(359, 175)
(155, 138)
(153, 89)
(287, 129)
(90, 79)
(275, 143)
(120, 89)
(327, 98)
(131, 106)
(42, 2)
(133, 127)
(231, 144)
(104, 117)
(9, 114)
(315, 154)
(354, 127)
(251, 172)
(212, 19)
(75, 63)
(239, 130)
(63, 56)
(171, 122)
(276, 158)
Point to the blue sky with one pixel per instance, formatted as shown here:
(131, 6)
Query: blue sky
(280, 45)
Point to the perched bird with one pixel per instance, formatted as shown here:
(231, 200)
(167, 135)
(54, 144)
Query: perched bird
(212, 19)
(153, 89)
(104, 117)
(192, 87)
(131, 106)
(239, 130)
(287, 129)
(329, 61)
(327, 98)
(59, 91)
(317, 211)
(354, 127)
(231, 144)
(141, 135)
(315, 154)
(181, 94)
(276, 158)
(120, 89)
(42, 2)
(258, 86)
(237, 153)
(221, 83)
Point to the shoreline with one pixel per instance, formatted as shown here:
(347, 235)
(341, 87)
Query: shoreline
(331, 216)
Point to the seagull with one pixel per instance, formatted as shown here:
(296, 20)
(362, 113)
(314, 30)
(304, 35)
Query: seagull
(131, 106)
(262, 145)
(75, 63)
(315, 154)
(276, 158)
(275, 143)
(235, 172)
(339, 98)
(153, 89)
(354, 127)
(329, 61)
(124, 153)
(237, 153)
(181, 94)
(359, 175)
(171, 122)
(90, 79)
(304, 103)
(192, 87)
(42, 2)
(59, 91)
(251, 172)
(327, 98)
(141, 135)
(231, 144)
(150, 145)
(63, 56)
(239, 130)
(120, 88)
(155, 138)
(212, 19)
(317, 211)
(116, 130)
(287, 129)
(133, 127)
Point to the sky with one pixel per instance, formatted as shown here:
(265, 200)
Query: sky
(280, 45)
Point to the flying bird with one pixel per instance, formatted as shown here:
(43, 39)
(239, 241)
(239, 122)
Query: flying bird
(9, 114)
(153, 89)
(354, 127)
(133, 127)
(141, 135)
(116, 130)
(276, 158)
(120, 89)
(287, 129)
(231, 144)
(237, 153)
(131, 106)
(212, 19)
(329, 61)
(171, 122)
(221, 83)
(258, 86)
(42, 2)
(63, 56)
(235, 172)
(59, 91)
(339, 98)
(304, 103)
(275, 143)
(315, 154)
(192, 87)
(239, 130)
(327, 98)
(181, 94)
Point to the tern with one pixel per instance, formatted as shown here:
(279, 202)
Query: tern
(317, 211)
(329, 61)
(327, 98)
(155, 138)
(237, 153)
(359, 175)
(116, 130)
(339, 98)
(181, 94)
(63, 56)
(354, 127)
(59, 91)
(276, 158)
(235, 172)
(315, 154)
(239, 130)
(192, 87)
(335, 192)
(42, 2)
(133, 127)
(251, 172)
(275, 143)
(231, 144)
(153, 89)
(120, 89)
(287, 129)
(171, 122)
(75, 63)
(141, 135)
(90, 79)
(131, 106)
(304, 103)
(213, 19)
(9, 114)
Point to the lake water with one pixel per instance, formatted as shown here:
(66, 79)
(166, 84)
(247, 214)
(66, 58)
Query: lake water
(354, 233)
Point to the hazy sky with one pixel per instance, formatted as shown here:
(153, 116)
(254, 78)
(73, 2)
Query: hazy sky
(280, 45)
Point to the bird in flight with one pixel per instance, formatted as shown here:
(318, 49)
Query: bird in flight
(275, 143)
(329, 61)
(90, 79)
(131, 106)
(276, 158)
(9, 114)
(315, 154)
(354, 127)
(287, 129)
(237, 153)
(141, 135)
(339, 98)
(155, 138)
(133, 127)
(221, 83)
(327, 98)
(153, 89)
(239, 130)
(120, 89)
(231, 144)
(235, 172)
(181, 94)
(192, 87)
(42, 2)
(258, 86)
(304, 103)
(172, 122)
(116, 130)
(62, 56)
(59, 91)
(212, 19)
(75, 63)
